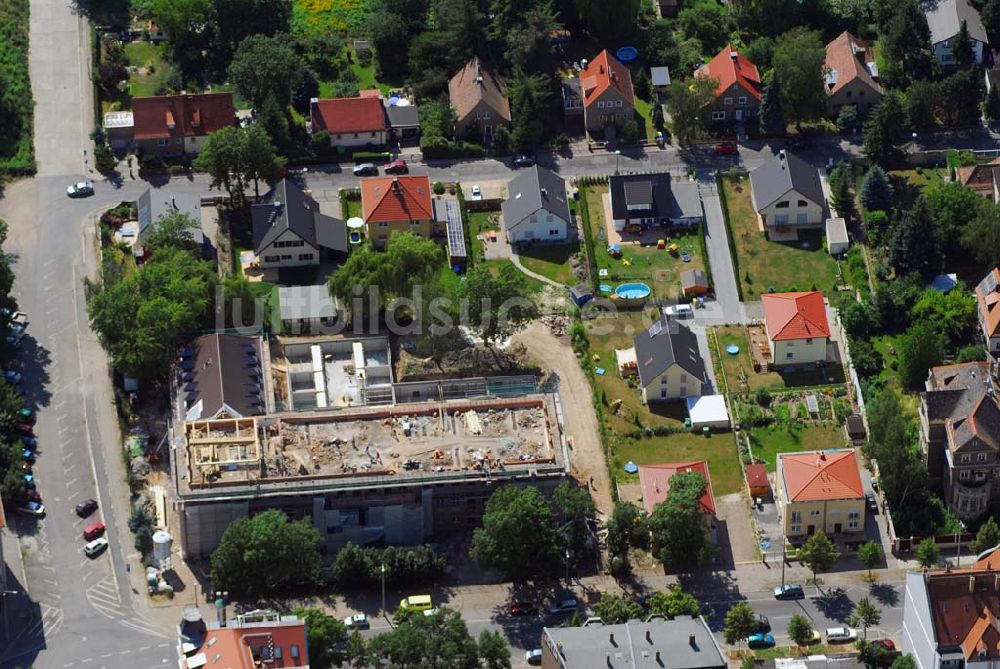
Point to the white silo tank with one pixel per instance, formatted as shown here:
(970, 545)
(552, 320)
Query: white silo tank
(161, 545)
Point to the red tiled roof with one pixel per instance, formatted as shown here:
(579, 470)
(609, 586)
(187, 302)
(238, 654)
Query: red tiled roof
(965, 610)
(757, 476)
(655, 483)
(817, 476)
(403, 198)
(792, 316)
(602, 73)
(989, 302)
(173, 116)
(340, 115)
(476, 83)
(728, 71)
(848, 57)
(235, 645)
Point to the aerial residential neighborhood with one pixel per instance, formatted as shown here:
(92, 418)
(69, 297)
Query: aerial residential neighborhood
(499, 333)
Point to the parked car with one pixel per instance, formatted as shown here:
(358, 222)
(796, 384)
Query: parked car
(477, 193)
(34, 496)
(523, 161)
(875, 484)
(814, 637)
(533, 657)
(27, 415)
(357, 621)
(841, 634)
(564, 605)
(95, 547)
(34, 508)
(80, 189)
(28, 455)
(15, 317)
(522, 609)
(30, 442)
(12, 376)
(365, 170)
(871, 502)
(789, 591)
(24, 428)
(93, 531)
(726, 148)
(763, 624)
(887, 644)
(760, 640)
(397, 166)
(86, 507)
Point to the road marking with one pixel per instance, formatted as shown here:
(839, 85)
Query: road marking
(145, 630)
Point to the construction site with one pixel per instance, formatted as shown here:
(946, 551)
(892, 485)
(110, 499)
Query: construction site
(367, 473)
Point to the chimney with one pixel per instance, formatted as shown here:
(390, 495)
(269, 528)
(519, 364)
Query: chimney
(781, 157)
(602, 69)
(734, 56)
(649, 637)
(691, 641)
(611, 638)
(658, 657)
(972, 584)
(395, 185)
(583, 64)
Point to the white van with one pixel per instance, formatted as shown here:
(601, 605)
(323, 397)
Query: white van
(679, 311)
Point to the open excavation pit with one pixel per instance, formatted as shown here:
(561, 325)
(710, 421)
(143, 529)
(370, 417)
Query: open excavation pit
(415, 440)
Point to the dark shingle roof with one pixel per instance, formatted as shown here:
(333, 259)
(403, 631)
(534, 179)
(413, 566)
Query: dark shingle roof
(635, 189)
(963, 397)
(533, 189)
(287, 207)
(665, 343)
(785, 172)
(225, 373)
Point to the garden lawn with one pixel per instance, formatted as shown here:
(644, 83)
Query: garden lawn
(17, 154)
(644, 262)
(908, 184)
(767, 442)
(718, 449)
(479, 222)
(739, 367)
(552, 261)
(319, 17)
(353, 209)
(777, 266)
(645, 110)
(150, 57)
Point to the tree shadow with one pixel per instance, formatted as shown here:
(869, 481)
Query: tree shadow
(835, 604)
(886, 595)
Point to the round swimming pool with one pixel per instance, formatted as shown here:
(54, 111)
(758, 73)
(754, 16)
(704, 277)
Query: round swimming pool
(632, 291)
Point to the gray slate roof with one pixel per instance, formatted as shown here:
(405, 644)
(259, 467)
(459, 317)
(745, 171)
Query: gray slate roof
(600, 646)
(686, 200)
(784, 172)
(664, 197)
(533, 189)
(960, 395)
(836, 230)
(403, 117)
(944, 18)
(665, 343)
(225, 372)
(154, 204)
(287, 207)
(693, 277)
(308, 302)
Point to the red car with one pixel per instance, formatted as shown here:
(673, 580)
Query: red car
(397, 166)
(24, 428)
(522, 609)
(888, 644)
(726, 148)
(93, 531)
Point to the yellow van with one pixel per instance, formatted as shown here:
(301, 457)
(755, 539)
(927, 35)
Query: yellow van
(416, 603)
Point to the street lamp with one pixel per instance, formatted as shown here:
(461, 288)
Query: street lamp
(220, 606)
(618, 155)
(382, 571)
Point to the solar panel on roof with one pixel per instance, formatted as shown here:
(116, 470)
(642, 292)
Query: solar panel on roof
(655, 329)
(456, 233)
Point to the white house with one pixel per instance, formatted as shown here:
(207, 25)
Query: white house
(787, 193)
(944, 18)
(669, 362)
(797, 327)
(536, 209)
(290, 231)
(351, 122)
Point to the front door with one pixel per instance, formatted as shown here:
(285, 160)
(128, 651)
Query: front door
(811, 530)
(739, 114)
(837, 528)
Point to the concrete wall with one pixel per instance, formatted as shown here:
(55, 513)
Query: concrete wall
(918, 629)
(798, 352)
(202, 525)
(811, 212)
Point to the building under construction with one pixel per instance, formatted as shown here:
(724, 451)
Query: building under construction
(397, 474)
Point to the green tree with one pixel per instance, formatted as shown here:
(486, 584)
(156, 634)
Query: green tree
(677, 525)
(871, 555)
(174, 229)
(953, 312)
(608, 19)
(266, 66)
(961, 47)
(627, 528)
(392, 24)
(266, 555)
(981, 238)
(848, 118)
(237, 20)
(356, 653)
(987, 537)
(740, 622)
(687, 102)
(921, 105)
(799, 60)
(990, 16)
(914, 245)
(672, 603)
(819, 554)
(615, 609)
(800, 629)
(181, 19)
(922, 347)
(442, 640)
(142, 316)
(657, 117)
(903, 32)
(842, 197)
(772, 117)
(991, 105)
(904, 662)
(928, 553)
(709, 24)
(883, 131)
(575, 507)
(325, 635)
(865, 615)
(530, 96)
(954, 96)
(876, 191)
(274, 120)
(519, 536)
(902, 470)
(953, 207)
(528, 43)
(497, 306)
(235, 157)
(494, 653)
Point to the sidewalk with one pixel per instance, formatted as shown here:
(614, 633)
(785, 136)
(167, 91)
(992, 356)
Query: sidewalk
(18, 611)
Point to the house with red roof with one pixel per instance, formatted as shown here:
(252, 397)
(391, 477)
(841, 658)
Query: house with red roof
(654, 482)
(351, 122)
(851, 75)
(252, 640)
(797, 327)
(737, 96)
(397, 204)
(820, 491)
(988, 300)
(606, 89)
(170, 125)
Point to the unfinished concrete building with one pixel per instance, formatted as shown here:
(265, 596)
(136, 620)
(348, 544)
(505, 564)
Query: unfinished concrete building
(391, 474)
(316, 374)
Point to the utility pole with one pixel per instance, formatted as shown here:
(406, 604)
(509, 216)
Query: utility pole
(382, 572)
(783, 540)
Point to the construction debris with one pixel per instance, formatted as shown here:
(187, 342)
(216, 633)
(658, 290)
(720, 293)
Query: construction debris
(557, 325)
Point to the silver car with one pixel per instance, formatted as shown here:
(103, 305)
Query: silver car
(80, 189)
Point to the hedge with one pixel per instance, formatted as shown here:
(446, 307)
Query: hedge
(17, 153)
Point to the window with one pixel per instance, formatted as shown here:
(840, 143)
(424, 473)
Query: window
(966, 457)
(803, 203)
(383, 224)
(947, 58)
(861, 94)
(277, 652)
(796, 516)
(853, 525)
(162, 142)
(305, 256)
(414, 222)
(980, 457)
(618, 103)
(663, 380)
(600, 104)
(814, 512)
(684, 378)
(795, 529)
(782, 205)
(728, 101)
(294, 651)
(742, 100)
(789, 356)
(718, 116)
(963, 475)
(271, 258)
(553, 233)
(355, 135)
(809, 341)
(854, 514)
(663, 394)
(373, 134)
(286, 256)
(790, 344)
(849, 95)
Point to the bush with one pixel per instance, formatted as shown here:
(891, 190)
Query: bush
(357, 567)
(438, 188)
(762, 397)
(439, 147)
(362, 156)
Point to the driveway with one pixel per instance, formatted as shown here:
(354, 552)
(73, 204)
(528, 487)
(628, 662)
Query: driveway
(727, 307)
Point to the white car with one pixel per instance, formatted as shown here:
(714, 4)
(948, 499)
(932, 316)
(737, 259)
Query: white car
(431, 612)
(15, 317)
(357, 621)
(80, 189)
(841, 634)
(533, 657)
(477, 193)
(95, 547)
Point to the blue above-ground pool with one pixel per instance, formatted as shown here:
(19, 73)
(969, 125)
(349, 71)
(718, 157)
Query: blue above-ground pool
(627, 54)
(632, 291)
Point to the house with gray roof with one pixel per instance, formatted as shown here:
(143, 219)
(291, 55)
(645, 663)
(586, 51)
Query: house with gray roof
(945, 18)
(306, 309)
(536, 208)
(787, 194)
(153, 205)
(289, 230)
(640, 201)
(222, 376)
(683, 642)
(960, 435)
(669, 362)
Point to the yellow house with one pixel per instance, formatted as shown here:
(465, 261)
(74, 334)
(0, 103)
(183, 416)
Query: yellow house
(797, 327)
(669, 363)
(820, 491)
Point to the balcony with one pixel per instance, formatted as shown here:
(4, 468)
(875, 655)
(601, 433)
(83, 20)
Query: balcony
(969, 499)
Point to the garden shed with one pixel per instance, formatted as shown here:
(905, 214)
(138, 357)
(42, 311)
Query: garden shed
(694, 282)
(836, 236)
(758, 482)
(708, 411)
